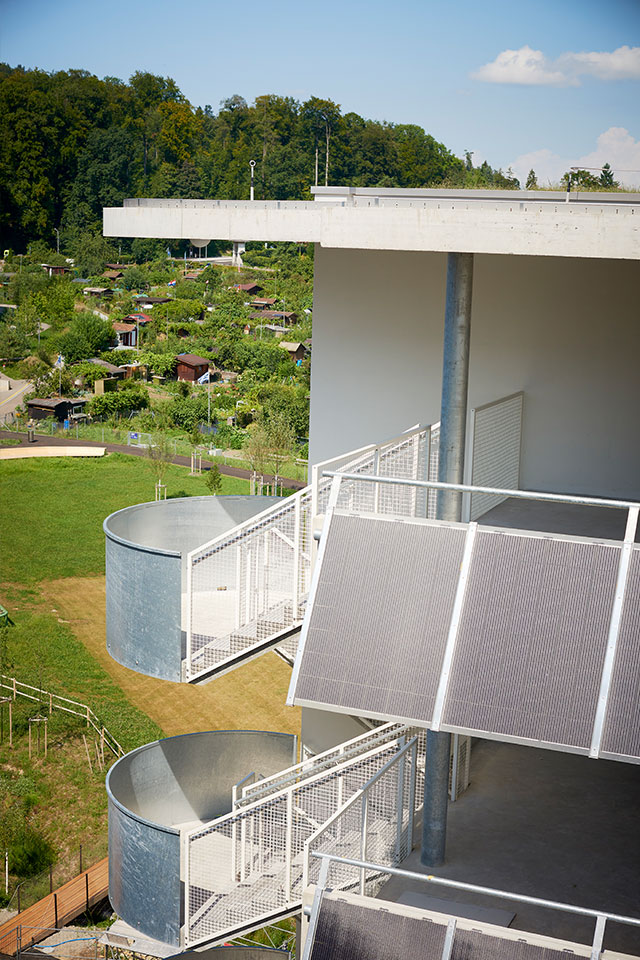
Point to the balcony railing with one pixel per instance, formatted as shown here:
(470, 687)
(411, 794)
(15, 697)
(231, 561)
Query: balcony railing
(251, 866)
(247, 589)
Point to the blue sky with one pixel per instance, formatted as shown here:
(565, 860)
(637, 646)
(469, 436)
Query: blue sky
(531, 83)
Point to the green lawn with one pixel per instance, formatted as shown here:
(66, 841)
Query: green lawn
(63, 536)
(51, 514)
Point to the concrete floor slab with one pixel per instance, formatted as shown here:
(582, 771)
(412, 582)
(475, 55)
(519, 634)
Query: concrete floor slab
(545, 824)
(572, 519)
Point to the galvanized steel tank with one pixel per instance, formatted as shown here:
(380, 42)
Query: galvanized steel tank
(146, 552)
(163, 786)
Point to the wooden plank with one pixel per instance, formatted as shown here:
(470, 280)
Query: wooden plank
(72, 901)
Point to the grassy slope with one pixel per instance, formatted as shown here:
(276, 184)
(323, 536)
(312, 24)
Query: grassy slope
(51, 566)
(51, 511)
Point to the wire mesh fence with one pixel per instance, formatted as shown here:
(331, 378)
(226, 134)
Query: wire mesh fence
(249, 585)
(376, 823)
(250, 865)
(410, 456)
(386, 733)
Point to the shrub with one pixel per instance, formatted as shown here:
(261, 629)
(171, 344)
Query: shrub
(30, 853)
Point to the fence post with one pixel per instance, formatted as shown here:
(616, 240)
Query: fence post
(400, 802)
(296, 560)
(288, 843)
(364, 818)
(412, 792)
(86, 887)
(18, 898)
(55, 908)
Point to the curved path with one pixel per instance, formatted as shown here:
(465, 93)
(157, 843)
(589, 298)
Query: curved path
(140, 452)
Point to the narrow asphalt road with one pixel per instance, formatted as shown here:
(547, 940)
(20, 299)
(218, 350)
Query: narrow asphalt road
(44, 441)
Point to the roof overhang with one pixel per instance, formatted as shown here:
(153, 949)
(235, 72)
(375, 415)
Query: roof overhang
(521, 223)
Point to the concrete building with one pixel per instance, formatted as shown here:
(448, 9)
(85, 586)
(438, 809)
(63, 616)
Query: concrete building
(477, 577)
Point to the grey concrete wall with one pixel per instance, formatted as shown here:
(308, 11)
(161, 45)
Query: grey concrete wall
(146, 554)
(563, 330)
(158, 787)
(322, 730)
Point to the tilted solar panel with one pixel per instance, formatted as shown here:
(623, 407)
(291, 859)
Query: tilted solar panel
(532, 639)
(377, 630)
(622, 726)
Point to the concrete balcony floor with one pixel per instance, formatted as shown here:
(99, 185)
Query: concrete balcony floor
(572, 519)
(545, 824)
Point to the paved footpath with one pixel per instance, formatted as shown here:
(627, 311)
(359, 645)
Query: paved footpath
(54, 441)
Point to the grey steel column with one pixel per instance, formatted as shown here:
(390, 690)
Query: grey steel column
(453, 421)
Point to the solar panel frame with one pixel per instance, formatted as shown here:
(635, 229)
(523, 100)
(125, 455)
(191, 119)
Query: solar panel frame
(624, 695)
(513, 686)
(423, 569)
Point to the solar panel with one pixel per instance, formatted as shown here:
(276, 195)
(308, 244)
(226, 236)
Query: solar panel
(349, 931)
(512, 647)
(621, 737)
(377, 630)
(532, 638)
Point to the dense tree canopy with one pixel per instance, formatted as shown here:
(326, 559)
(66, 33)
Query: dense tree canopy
(71, 143)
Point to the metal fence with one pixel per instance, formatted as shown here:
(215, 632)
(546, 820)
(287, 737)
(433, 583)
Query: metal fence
(249, 585)
(53, 701)
(410, 456)
(493, 452)
(375, 823)
(328, 759)
(250, 866)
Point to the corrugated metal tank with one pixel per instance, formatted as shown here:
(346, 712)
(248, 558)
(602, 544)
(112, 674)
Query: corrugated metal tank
(156, 789)
(146, 552)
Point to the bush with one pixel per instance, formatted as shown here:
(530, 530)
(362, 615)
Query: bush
(118, 402)
(229, 438)
(30, 853)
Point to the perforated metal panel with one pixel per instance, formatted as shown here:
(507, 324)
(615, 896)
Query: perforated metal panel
(622, 727)
(375, 638)
(474, 945)
(496, 430)
(532, 638)
(348, 931)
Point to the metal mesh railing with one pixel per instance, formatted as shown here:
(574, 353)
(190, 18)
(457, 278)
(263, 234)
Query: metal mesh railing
(411, 456)
(249, 866)
(249, 585)
(495, 435)
(376, 823)
(320, 762)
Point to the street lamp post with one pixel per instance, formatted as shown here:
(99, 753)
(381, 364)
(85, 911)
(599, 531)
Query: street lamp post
(252, 164)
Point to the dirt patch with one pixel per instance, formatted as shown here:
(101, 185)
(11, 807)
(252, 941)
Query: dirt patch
(251, 697)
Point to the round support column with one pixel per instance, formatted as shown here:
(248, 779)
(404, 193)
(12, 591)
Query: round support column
(453, 422)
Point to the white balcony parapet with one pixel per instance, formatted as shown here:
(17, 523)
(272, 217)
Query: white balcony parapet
(251, 866)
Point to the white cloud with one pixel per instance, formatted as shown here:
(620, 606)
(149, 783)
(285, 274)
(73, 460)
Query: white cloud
(615, 146)
(530, 67)
(524, 66)
(621, 64)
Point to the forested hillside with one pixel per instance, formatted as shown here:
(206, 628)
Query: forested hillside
(71, 143)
